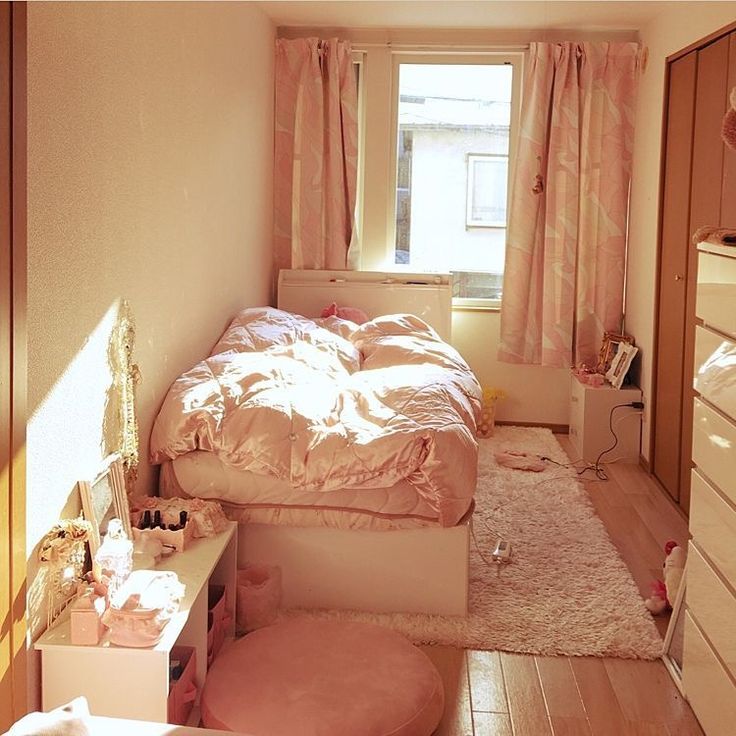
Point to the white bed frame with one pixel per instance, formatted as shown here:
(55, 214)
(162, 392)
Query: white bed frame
(412, 570)
(427, 295)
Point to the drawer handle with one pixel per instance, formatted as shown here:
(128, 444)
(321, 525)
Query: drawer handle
(679, 277)
(574, 399)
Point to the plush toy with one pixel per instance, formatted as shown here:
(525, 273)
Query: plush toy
(664, 591)
(351, 313)
(728, 129)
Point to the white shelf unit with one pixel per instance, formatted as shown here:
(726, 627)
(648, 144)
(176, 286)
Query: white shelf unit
(709, 645)
(590, 410)
(126, 682)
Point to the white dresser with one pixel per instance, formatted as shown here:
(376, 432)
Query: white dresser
(709, 657)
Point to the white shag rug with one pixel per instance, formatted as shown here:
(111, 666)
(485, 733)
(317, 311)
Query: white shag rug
(567, 590)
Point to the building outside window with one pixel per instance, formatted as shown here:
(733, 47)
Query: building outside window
(453, 142)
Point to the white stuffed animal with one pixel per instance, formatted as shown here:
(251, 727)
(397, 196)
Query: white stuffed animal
(664, 592)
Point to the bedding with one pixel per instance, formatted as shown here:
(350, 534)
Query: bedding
(328, 406)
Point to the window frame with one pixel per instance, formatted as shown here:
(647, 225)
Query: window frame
(379, 253)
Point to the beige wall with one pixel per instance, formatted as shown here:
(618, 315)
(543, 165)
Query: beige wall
(150, 180)
(678, 26)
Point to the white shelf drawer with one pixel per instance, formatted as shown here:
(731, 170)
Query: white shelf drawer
(707, 686)
(713, 605)
(715, 375)
(713, 526)
(716, 292)
(714, 448)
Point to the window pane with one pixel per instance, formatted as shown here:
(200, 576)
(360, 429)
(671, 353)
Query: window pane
(452, 172)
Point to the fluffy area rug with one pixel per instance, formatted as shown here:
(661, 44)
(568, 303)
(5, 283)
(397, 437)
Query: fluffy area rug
(567, 590)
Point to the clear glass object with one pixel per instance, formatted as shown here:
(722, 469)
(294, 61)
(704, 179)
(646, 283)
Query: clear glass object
(114, 558)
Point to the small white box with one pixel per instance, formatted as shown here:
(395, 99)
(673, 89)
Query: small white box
(590, 411)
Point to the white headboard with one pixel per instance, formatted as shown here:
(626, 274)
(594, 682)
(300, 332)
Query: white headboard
(428, 296)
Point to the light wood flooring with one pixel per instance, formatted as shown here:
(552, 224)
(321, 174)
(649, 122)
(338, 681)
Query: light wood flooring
(500, 694)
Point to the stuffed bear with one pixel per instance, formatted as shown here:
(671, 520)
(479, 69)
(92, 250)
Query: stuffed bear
(728, 130)
(665, 592)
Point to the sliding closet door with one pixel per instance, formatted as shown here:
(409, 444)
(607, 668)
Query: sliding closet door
(711, 97)
(13, 685)
(699, 189)
(675, 236)
(728, 195)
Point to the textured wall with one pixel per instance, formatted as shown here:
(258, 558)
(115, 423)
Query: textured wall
(150, 180)
(675, 28)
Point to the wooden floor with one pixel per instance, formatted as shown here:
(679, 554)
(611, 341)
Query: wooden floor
(499, 694)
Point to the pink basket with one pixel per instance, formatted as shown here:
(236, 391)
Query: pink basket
(218, 620)
(183, 691)
(258, 596)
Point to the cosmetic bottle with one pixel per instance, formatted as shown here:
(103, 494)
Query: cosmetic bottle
(114, 558)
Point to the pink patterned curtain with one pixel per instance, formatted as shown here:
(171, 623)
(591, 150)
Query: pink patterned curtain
(316, 153)
(566, 243)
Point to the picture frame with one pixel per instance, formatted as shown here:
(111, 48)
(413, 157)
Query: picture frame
(103, 499)
(609, 348)
(620, 363)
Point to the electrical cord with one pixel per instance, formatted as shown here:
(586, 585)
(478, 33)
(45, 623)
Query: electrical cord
(633, 404)
(596, 467)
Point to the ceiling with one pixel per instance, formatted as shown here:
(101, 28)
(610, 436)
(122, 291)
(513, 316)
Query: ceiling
(477, 14)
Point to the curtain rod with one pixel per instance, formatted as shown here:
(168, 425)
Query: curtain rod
(486, 48)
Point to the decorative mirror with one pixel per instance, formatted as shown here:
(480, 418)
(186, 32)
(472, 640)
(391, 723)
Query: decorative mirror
(104, 499)
(673, 640)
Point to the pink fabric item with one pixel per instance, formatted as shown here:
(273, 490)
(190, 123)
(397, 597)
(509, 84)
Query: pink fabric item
(519, 461)
(566, 240)
(316, 153)
(323, 678)
(350, 313)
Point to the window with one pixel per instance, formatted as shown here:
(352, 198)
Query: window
(487, 189)
(438, 131)
(453, 141)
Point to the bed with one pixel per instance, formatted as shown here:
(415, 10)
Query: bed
(346, 452)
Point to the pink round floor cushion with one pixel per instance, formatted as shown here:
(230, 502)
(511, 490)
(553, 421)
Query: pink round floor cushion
(323, 678)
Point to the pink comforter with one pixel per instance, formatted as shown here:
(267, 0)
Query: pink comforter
(331, 407)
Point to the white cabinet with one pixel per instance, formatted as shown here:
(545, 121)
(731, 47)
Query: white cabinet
(133, 683)
(591, 419)
(709, 650)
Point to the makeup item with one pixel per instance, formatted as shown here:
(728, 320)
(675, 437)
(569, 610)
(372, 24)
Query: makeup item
(145, 522)
(157, 520)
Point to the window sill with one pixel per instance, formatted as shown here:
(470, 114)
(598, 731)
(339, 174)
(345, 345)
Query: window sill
(475, 305)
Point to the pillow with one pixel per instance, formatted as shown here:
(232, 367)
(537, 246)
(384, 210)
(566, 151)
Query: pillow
(67, 720)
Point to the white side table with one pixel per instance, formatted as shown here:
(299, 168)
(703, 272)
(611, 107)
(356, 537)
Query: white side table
(590, 433)
(125, 682)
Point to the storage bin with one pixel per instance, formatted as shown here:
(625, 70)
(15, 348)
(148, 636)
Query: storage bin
(258, 596)
(218, 620)
(183, 689)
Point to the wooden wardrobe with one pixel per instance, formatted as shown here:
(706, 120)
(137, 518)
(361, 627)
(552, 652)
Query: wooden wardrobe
(698, 189)
(13, 678)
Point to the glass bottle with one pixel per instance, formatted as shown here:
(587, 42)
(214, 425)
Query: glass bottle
(114, 558)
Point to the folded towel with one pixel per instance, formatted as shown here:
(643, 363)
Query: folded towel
(718, 235)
